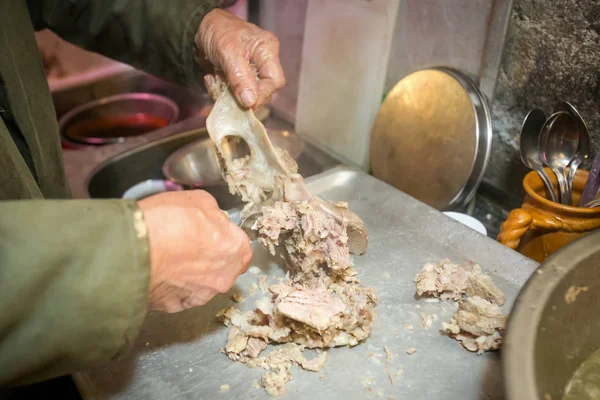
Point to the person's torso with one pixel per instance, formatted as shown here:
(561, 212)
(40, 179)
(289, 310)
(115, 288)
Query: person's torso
(30, 153)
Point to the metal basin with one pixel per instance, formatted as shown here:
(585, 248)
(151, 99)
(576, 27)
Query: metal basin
(115, 118)
(116, 175)
(189, 102)
(550, 331)
(196, 164)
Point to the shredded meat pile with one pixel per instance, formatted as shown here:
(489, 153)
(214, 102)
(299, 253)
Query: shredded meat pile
(479, 322)
(321, 303)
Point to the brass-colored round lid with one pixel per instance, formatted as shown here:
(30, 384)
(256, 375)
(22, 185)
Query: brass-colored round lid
(432, 137)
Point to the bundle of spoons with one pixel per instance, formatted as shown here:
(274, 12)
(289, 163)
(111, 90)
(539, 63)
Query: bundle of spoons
(560, 142)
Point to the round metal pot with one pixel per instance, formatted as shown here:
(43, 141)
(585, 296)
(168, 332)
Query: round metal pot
(555, 322)
(115, 118)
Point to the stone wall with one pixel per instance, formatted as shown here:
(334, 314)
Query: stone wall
(552, 53)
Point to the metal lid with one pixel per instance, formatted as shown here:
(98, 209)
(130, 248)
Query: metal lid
(432, 138)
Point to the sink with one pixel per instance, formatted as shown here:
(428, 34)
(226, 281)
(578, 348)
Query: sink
(190, 103)
(113, 177)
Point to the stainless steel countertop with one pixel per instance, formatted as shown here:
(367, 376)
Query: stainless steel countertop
(177, 356)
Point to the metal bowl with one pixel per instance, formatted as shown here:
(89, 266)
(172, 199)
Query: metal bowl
(115, 118)
(550, 331)
(196, 165)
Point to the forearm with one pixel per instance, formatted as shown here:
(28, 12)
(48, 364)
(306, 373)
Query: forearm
(154, 35)
(74, 278)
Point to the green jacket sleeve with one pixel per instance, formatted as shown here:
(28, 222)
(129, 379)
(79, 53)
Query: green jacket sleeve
(74, 282)
(154, 35)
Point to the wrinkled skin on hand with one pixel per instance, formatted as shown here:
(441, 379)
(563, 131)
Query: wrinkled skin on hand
(195, 251)
(232, 45)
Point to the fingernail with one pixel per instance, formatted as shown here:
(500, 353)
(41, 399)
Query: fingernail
(248, 97)
(209, 80)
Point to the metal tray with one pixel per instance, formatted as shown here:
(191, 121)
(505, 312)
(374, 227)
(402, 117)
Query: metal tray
(177, 356)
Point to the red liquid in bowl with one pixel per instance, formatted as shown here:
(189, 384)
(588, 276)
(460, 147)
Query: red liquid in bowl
(114, 126)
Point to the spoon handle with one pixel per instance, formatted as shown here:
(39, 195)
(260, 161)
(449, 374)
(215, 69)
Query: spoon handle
(548, 183)
(565, 197)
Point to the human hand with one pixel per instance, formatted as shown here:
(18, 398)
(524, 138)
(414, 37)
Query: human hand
(195, 251)
(232, 45)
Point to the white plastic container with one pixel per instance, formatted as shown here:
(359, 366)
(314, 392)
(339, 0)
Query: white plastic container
(149, 188)
(468, 221)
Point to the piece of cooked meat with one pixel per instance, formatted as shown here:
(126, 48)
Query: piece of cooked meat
(479, 317)
(313, 244)
(316, 364)
(321, 303)
(279, 362)
(426, 320)
(315, 308)
(254, 347)
(312, 318)
(572, 293)
(478, 325)
(450, 281)
(481, 285)
(236, 340)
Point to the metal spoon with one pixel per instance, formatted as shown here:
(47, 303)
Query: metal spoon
(558, 144)
(530, 153)
(583, 149)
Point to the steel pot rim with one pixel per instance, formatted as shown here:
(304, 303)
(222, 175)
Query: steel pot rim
(518, 352)
(66, 118)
